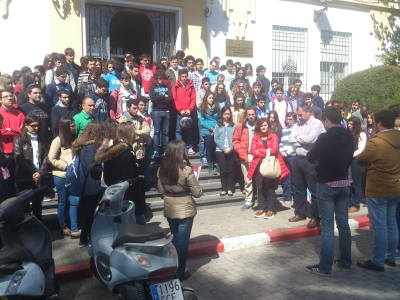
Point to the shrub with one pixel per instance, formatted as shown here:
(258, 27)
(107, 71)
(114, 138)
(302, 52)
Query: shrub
(379, 86)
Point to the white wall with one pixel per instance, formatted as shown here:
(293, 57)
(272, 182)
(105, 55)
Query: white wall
(276, 12)
(25, 34)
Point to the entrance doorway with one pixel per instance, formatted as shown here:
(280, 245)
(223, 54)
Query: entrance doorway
(130, 32)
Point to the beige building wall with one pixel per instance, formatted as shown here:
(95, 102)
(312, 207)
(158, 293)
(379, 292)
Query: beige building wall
(66, 24)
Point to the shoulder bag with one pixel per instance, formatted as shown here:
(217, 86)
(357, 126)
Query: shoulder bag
(270, 167)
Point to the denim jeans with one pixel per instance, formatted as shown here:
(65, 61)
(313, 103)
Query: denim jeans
(181, 229)
(304, 176)
(146, 165)
(62, 199)
(189, 132)
(382, 215)
(90, 203)
(334, 202)
(356, 188)
(287, 182)
(160, 120)
(202, 149)
(398, 221)
(210, 148)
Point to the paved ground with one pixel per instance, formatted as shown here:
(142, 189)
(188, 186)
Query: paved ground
(275, 271)
(212, 223)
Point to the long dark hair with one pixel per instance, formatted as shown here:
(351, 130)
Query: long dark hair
(29, 119)
(221, 117)
(259, 122)
(224, 90)
(235, 105)
(175, 158)
(356, 130)
(64, 132)
(277, 123)
(28, 79)
(204, 104)
(92, 132)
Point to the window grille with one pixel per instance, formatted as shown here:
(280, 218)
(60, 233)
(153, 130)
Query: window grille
(335, 62)
(289, 55)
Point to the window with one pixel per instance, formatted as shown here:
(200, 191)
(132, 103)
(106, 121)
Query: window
(335, 63)
(289, 55)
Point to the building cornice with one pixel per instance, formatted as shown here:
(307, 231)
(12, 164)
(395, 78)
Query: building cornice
(359, 5)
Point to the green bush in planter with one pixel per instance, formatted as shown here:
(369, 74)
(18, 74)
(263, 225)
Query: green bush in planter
(379, 86)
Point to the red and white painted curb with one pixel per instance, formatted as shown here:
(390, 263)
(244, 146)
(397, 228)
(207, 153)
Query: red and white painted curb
(82, 270)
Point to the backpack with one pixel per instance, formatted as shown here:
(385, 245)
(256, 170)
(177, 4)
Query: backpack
(75, 178)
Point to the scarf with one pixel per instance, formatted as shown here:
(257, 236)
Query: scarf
(221, 98)
(211, 110)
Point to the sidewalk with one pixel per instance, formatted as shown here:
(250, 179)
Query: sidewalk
(215, 230)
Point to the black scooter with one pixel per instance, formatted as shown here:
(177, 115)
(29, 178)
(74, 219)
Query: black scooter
(27, 267)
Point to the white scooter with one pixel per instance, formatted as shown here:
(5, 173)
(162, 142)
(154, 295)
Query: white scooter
(26, 263)
(133, 261)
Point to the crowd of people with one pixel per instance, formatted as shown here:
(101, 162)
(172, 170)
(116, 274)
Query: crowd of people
(117, 115)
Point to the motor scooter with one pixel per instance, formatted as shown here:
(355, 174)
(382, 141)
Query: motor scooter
(27, 268)
(133, 261)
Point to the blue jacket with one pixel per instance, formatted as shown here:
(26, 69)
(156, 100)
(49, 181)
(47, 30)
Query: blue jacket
(101, 107)
(51, 97)
(208, 123)
(319, 102)
(219, 136)
(260, 113)
(112, 80)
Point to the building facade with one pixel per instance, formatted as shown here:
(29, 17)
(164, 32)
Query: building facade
(291, 38)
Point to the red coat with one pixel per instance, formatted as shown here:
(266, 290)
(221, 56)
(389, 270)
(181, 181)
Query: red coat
(259, 152)
(184, 97)
(240, 141)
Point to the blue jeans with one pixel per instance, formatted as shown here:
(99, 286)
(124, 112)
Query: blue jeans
(287, 182)
(189, 132)
(160, 120)
(304, 176)
(356, 188)
(382, 215)
(334, 202)
(62, 200)
(146, 165)
(398, 221)
(202, 149)
(181, 229)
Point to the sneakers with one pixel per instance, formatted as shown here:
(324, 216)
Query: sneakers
(340, 266)
(46, 199)
(83, 244)
(369, 265)
(390, 263)
(191, 152)
(268, 215)
(156, 154)
(284, 201)
(245, 207)
(203, 160)
(260, 213)
(316, 270)
(151, 189)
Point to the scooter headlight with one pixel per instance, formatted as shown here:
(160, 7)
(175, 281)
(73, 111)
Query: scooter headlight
(15, 283)
(142, 261)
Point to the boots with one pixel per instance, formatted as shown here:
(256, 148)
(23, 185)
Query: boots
(217, 168)
(211, 168)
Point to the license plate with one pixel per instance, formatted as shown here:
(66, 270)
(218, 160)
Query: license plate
(168, 290)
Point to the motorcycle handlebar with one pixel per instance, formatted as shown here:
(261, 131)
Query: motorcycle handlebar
(130, 181)
(39, 190)
(103, 206)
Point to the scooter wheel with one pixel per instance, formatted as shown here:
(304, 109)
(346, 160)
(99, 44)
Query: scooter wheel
(188, 295)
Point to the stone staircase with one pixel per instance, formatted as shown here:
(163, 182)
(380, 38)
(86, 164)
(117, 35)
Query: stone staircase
(210, 184)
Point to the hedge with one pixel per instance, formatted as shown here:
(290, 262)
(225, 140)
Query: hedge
(379, 86)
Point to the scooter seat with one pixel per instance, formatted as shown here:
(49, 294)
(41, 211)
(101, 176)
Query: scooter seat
(134, 233)
(16, 255)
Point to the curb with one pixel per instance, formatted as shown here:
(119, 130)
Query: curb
(80, 271)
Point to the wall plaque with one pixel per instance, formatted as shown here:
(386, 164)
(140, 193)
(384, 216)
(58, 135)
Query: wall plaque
(239, 48)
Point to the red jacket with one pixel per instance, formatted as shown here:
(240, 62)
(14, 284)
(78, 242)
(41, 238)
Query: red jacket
(146, 74)
(240, 141)
(184, 97)
(259, 152)
(14, 120)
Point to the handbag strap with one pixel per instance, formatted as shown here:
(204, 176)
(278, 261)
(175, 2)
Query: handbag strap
(268, 154)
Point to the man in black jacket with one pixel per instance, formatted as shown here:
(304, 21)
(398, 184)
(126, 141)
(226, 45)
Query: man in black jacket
(333, 153)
